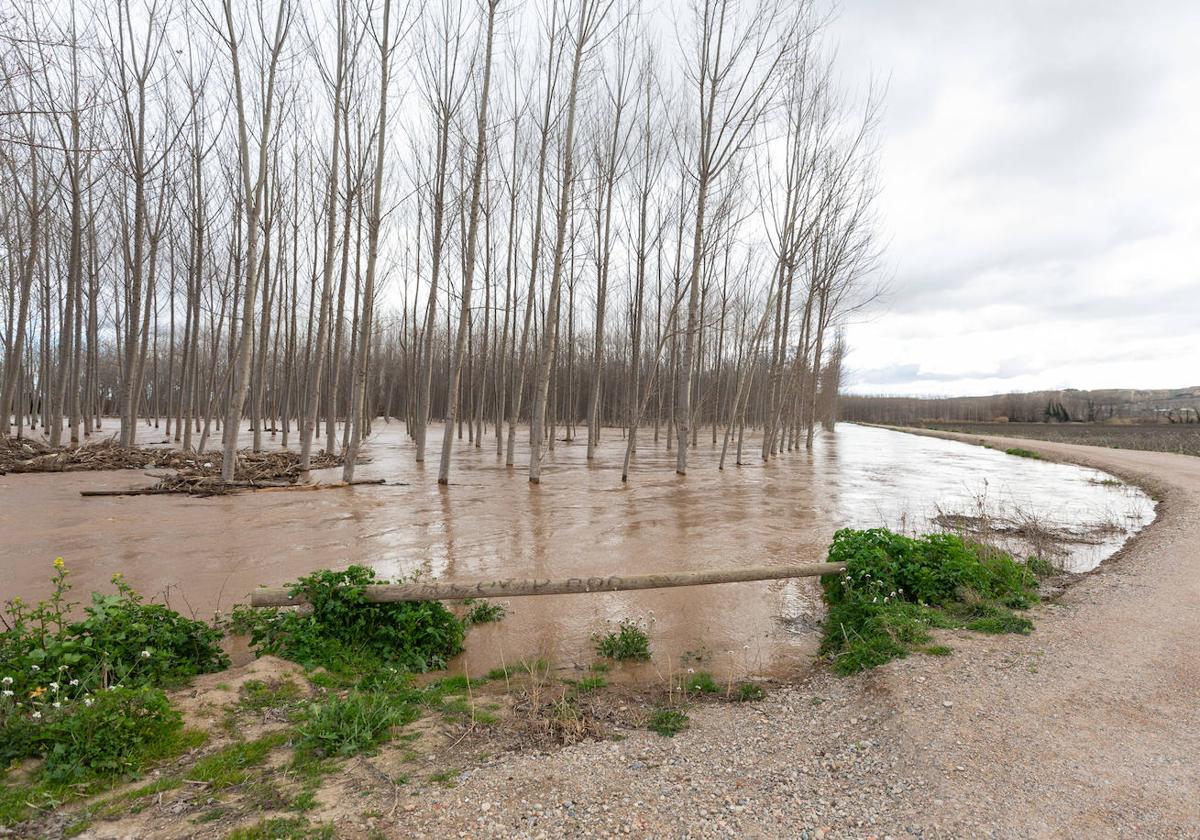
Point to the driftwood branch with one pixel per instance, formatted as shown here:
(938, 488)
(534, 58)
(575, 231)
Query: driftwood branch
(511, 587)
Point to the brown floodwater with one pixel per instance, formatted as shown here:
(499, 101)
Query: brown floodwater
(204, 555)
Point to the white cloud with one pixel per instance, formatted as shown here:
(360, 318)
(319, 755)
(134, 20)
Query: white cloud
(1041, 196)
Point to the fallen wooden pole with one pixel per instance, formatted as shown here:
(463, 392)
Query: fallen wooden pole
(227, 488)
(512, 587)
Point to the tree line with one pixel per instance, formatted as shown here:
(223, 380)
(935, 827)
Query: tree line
(557, 216)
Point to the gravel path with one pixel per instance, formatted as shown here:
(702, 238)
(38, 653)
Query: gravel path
(1089, 727)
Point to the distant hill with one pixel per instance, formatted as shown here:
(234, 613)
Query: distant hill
(1159, 405)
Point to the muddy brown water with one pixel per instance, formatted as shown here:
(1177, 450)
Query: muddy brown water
(205, 555)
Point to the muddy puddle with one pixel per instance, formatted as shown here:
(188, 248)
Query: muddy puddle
(204, 555)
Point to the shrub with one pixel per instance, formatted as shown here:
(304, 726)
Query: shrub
(104, 735)
(120, 640)
(344, 631)
(83, 695)
(895, 588)
(629, 642)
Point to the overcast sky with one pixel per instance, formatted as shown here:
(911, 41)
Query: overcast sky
(1041, 193)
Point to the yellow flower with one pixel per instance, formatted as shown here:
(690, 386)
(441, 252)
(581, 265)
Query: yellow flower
(58, 563)
(38, 692)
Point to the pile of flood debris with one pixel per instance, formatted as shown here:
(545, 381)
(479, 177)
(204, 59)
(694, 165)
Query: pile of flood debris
(22, 455)
(30, 456)
(201, 476)
(192, 473)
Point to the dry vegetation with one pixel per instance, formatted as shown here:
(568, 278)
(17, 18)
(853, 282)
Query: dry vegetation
(1181, 438)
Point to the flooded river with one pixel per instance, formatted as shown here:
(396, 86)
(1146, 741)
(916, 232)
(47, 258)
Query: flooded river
(207, 554)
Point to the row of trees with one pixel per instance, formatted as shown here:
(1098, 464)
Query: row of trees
(1062, 406)
(575, 214)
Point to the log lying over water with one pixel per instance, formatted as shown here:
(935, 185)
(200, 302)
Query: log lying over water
(173, 485)
(511, 587)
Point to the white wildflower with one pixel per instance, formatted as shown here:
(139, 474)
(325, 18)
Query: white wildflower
(8, 693)
(87, 701)
(74, 682)
(56, 704)
(54, 686)
(145, 654)
(37, 715)
(7, 681)
(34, 668)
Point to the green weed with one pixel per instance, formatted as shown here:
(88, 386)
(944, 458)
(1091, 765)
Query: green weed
(896, 588)
(348, 634)
(353, 724)
(701, 682)
(748, 691)
(483, 612)
(628, 643)
(668, 722)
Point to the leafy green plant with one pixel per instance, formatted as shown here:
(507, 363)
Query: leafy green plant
(483, 612)
(104, 735)
(700, 682)
(83, 695)
(121, 639)
(346, 632)
(668, 722)
(628, 642)
(1023, 453)
(895, 588)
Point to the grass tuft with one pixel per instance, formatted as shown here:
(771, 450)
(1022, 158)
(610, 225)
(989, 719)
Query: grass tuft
(628, 642)
(668, 722)
(747, 692)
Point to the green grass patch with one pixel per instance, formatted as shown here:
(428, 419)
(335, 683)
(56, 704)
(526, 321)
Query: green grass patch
(231, 765)
(896, 588)
(628, 642)
(701, 682)
(747, 692)
(259, 696)
(19, 799)
(283, 828)
(668, 722)
(591, 683)
(1023, 453)
(356, 723)
(446, 778)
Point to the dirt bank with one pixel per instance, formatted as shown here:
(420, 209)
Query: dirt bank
(1089, 727)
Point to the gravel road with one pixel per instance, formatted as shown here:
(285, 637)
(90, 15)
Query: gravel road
(1087, 728)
